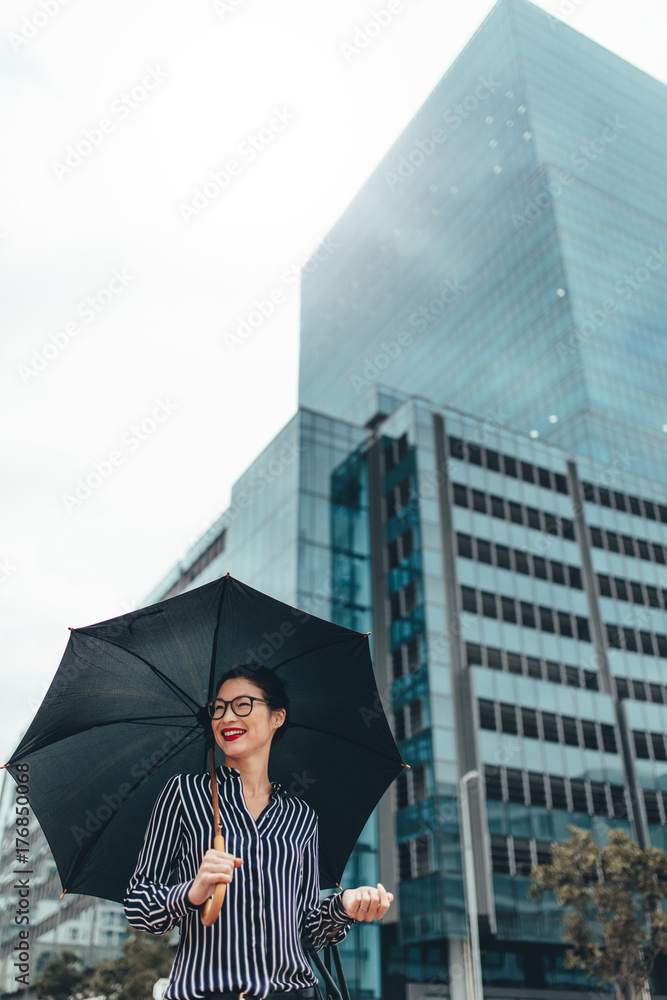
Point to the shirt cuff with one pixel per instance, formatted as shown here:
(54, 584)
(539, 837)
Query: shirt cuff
(337, 911)
(177, 901)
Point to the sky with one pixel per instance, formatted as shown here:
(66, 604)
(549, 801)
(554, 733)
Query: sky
(165, 166)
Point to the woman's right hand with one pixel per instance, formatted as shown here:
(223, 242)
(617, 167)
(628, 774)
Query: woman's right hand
(217, 866)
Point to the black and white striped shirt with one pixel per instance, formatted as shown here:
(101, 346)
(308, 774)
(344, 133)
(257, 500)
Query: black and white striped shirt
(272, 907)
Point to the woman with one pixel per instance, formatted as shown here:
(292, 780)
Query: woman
(272, 907)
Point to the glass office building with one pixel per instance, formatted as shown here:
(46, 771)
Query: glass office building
(518, 602)
(508, 255)
(478, 474)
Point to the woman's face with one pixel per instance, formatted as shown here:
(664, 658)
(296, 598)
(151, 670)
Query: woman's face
(241, 735)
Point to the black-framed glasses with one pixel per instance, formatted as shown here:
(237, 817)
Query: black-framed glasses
(241, 706)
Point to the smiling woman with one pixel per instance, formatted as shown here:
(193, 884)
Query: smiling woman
(272, 912)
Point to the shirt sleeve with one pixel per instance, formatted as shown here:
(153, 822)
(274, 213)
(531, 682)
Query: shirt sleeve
(323, 923)
(150, 903)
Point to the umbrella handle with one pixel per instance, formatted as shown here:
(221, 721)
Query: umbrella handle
(212, 907)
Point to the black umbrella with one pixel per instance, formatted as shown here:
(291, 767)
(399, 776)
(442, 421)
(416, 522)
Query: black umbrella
(126, 711)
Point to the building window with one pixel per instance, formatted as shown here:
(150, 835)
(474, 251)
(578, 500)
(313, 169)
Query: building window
(641, 745)
(522, 856)
(418, 783)
(558, 793)
(608, 734)
(503, 557)
(508, 609)
(460, 495)
(579, 797)
(487, 714)
(483, 551)
(404, 862)
(422, 855)
(469, 600)
(538, 795)
(508, 719)
(494, 786)
(516, 512)
(515, 792)
(489, 609)
(479, 501)
(464, 543)
(590, 735)
(498, 507)
(527, 615)
(529, 723)
(500, 861)
(550, 727)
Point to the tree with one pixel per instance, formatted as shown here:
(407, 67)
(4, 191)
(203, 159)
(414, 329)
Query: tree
(60, 978)
(611, 898)
(143, 960)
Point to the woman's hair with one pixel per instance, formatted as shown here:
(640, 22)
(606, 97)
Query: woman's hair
(269, 683)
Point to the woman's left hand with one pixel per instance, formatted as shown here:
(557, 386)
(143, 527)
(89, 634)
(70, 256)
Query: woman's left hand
(367, 903)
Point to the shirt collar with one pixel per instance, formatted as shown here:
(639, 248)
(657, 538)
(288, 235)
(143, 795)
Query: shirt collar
(227, 773)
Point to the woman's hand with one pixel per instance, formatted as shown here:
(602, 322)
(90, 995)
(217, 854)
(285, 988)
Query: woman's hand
(367, 903)
(217, 866)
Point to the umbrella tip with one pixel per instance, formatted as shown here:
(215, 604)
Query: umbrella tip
(70, 628)
(227, 576)
(63, 893)
(403, 764)
(367, 634)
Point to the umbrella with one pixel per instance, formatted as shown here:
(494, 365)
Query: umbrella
(126, 711)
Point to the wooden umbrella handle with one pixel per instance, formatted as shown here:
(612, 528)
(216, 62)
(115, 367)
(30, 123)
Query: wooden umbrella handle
(212, 906)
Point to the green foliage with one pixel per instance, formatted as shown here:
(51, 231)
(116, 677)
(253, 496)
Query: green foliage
(60, 978)
(612, 906)
(143, 960)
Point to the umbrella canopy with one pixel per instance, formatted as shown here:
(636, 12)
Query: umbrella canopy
(126, 711)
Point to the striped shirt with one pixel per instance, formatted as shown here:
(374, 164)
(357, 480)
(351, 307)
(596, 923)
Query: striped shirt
(272, 908)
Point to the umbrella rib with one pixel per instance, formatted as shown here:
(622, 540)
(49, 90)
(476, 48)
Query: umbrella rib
(177, 690)
(215, 639)
(94, 837)
(345, 739)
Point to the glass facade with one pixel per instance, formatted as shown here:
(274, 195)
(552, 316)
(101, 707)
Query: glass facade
(507, 256)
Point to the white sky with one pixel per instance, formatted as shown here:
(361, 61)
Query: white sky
(218, 77)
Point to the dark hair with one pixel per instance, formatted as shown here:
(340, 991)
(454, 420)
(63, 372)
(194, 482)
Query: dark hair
(269, 683)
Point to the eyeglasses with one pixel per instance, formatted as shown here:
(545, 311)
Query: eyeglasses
(240, 706)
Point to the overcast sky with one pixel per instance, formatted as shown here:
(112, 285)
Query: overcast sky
(120, 287)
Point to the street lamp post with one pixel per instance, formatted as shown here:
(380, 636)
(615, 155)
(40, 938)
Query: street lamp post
(475, 961)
